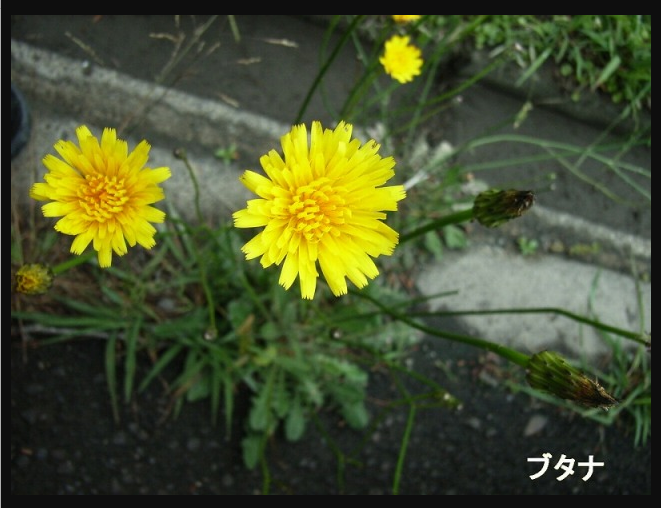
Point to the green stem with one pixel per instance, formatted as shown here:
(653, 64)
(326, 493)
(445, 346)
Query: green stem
(180, 154)
(634, 336)
(73, 261)
(509, 354)
(334, 448)
(211, 308)
(455, 218)
(325, 67)
(402, 450)
(234, 27)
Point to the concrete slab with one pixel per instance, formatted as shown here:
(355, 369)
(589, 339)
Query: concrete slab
(489, 278)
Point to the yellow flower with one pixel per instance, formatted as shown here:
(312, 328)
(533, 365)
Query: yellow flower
(405, 18)
(401, 60)
(34, 279)
(323, 202)
(102, 193)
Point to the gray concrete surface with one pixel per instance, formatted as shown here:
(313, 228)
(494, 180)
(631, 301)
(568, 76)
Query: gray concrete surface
(64, 93)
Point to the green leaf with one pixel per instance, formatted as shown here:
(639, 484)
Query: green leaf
(312, 391)
(238, 311)
(356, 414)
(281, 398)
(535, 65)
(160, 364)
(434, 244)
(269, 331)
(130, 360)
(295, 423)
(259, 414)
(216, 380)
(228, 386)
(111, 377)
(454, 237)
(191, 324)
(251, 445)
(608, 71)
(266, 356)
(200, 389)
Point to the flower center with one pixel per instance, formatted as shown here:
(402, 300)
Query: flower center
(103, 197)
(316, 208)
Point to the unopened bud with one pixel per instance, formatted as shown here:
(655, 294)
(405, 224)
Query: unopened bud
(549, 372)
(494, 207)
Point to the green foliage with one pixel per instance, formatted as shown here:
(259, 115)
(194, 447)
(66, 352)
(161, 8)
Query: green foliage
(527, 246)
(609, 53)
(289, 356)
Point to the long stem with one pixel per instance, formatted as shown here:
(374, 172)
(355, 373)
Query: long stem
(403, 448)
(325, 67)
(634, 336)
(455, 218)
(507, 353)
(180, 154)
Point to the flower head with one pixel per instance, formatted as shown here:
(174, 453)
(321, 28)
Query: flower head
(549, 372)
(323, 202)
(33, 279)
(400, 59)
(103, 193)
(405, 18)
(494, 207)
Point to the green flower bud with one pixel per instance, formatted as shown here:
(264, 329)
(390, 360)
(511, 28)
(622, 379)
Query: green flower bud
(494, 207)
(549, 372)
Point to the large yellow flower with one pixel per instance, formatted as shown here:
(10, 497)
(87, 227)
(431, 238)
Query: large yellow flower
(323, 202)
(102, 193)
(400, 59)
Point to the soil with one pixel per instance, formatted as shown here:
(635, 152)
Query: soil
(64, 439)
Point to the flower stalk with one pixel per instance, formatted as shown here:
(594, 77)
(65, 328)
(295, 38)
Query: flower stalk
(491, 208)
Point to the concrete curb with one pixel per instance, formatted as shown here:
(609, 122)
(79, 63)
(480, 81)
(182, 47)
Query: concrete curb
(106, 97)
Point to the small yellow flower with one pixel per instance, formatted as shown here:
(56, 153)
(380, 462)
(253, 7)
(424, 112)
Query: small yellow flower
(400, 59)
(323, 202)
(406, 18)
(34, 279)
(102, 193)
